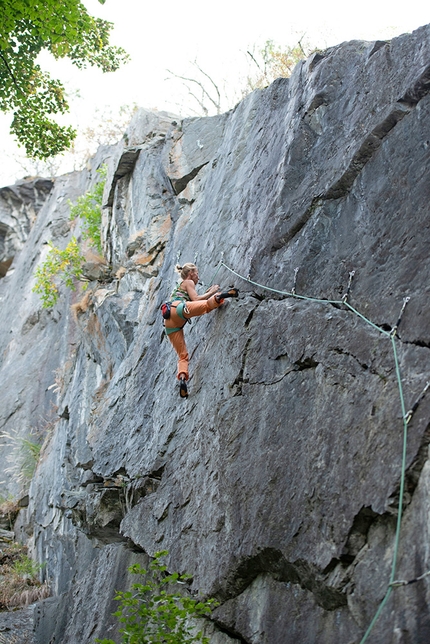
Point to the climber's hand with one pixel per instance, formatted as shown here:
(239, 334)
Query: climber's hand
(213, 289)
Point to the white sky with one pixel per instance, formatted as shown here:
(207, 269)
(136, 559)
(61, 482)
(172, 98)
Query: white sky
(170, 34)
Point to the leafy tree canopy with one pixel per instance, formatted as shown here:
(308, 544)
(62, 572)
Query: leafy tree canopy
(64, 28)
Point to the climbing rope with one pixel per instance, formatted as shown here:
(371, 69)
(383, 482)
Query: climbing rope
(212, 280)
(406, 416)
(402, 485)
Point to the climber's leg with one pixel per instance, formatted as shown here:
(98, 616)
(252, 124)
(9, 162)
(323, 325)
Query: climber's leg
(177, 338)
(178, 342)
(200, 307)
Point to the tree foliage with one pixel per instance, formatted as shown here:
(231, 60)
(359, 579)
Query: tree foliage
(152, 613)
(106, 127)
(65, 29)
(274, 61)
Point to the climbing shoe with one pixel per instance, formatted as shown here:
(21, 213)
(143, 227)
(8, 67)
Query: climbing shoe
(183, 390)
(233, 292)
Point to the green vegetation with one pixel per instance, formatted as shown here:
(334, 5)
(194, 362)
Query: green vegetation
(24, 455)
(63, 266)
(66, 266)
(89, 209)
(152, 614)
(19, 583)
(66, 30)
(23, 566)
(274, 61)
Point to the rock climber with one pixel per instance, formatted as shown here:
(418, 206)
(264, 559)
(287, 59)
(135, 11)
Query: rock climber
(185, 303)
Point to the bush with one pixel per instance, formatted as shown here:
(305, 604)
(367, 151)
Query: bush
(152, 614)
(66, 266)
(89, 209)
(62, 266)
(24, 455)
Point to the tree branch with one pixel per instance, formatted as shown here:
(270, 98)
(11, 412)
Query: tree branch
(202, 87)
(217, 105)
(300, 45)
(252, 58)
(11, 73)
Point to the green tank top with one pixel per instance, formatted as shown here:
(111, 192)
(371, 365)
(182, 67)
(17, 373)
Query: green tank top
(179, 294)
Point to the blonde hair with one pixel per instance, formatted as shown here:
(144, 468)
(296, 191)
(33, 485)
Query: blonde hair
(185, 270)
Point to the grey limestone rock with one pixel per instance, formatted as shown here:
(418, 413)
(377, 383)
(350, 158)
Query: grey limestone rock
(276, 484)
(19, 205)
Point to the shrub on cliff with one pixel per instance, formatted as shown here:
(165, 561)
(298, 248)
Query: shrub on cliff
(19, 583)
(23, 456)
(66, 266)
(63, 266)
(88, 208)
(152, 613)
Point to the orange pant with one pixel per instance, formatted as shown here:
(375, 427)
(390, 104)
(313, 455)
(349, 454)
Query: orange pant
(192, 310)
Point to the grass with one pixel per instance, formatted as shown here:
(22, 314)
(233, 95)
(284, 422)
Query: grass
(24, 455)
(19, 578)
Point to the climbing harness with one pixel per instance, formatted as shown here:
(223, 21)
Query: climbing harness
(181, 297)
(181, 308)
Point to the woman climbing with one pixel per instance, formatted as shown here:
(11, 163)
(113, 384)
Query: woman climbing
(186, 304)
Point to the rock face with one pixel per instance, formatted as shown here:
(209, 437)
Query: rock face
(276, 484)
(19, 205)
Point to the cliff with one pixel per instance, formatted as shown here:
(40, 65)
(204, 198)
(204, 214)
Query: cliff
(277, 483)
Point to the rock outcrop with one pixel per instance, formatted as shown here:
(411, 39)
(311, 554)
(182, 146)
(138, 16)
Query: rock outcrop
(19, 205)
(276, 484)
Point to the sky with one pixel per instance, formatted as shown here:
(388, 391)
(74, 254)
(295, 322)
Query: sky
(170, 35)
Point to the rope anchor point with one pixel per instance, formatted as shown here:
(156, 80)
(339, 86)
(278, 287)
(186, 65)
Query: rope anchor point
(414, 407)
(293, 290)
(396, 326)
(345, 296)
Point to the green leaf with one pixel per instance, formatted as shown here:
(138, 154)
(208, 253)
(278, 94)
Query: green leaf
(154, 616)
(66, 30)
